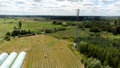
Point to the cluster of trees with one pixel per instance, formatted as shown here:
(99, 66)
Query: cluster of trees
(64, 24)
(17, 31)
(93, 63)
(107, 55)
(97, 26)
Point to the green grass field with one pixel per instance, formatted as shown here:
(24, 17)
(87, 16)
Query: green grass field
(7, 26)
(70, 32)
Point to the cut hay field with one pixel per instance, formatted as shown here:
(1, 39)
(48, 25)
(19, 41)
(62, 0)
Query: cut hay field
(43, 52)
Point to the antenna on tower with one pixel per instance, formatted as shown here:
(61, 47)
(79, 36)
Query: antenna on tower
(76, 29)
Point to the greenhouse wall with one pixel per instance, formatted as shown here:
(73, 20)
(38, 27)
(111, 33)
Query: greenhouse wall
(19, 60)
(9, 60)
(3, 56)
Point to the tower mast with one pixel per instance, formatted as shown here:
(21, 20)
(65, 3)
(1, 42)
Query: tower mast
(76, 30)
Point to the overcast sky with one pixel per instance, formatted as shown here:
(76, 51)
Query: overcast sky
(60, 7)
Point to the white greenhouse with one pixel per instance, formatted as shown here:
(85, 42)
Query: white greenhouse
(19, 60)
(9, 60)
(3, 56)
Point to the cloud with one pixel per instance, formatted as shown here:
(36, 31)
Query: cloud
(60, 7)
(37, 0)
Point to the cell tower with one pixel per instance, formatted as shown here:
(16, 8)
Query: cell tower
(76, 29)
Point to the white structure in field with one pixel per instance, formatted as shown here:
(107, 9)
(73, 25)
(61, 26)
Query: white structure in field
(3, 56)
(7, 63)
(19, 60)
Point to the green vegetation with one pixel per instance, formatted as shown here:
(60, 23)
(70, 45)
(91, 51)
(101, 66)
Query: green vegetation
(19, 26)
(93, 63)
(108, 55)
(99, 39)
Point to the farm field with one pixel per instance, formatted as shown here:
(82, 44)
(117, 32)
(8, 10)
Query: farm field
(43, 52)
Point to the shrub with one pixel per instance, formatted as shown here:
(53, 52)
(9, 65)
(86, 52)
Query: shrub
(87, 25)
(15, 32)
(70, 23)
(60, 29)
(80, 25)
(7, 36)
(94, 29)
(23, 32)
(116, 29)
(29, 31)
(54, 22)
(49, 31)
(8, 33)
(20, 24)
(57, 23)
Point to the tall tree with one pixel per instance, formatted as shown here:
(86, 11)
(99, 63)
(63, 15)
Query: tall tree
(20, 24)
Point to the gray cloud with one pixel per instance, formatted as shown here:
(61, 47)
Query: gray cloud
(74, 0)
(37, 0)
(19, 2)
(60, 0)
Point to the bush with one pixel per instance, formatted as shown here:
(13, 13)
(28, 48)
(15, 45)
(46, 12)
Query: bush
(87, 25)
(49, 31)
(60, 29)
(57, 23)
(115, 29)
(8, 33)
(23, 32)
(94, 29)
(70, 24)
(20, 24)
(29, 32)
(15, 32)
(54, 22)
(7, 37)
(80, 25)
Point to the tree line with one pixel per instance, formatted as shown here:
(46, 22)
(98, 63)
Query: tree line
(98, 26)
(108, 55)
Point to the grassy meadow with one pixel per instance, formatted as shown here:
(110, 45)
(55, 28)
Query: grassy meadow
(55, 48)
(7, 25)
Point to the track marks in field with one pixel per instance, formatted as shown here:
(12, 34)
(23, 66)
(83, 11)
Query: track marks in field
(48, 52)
(44, 52)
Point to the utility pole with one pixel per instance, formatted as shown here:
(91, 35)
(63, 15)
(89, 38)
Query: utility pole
(76, 30)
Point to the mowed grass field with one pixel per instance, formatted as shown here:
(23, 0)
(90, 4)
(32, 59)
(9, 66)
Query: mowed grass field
(43, 52)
